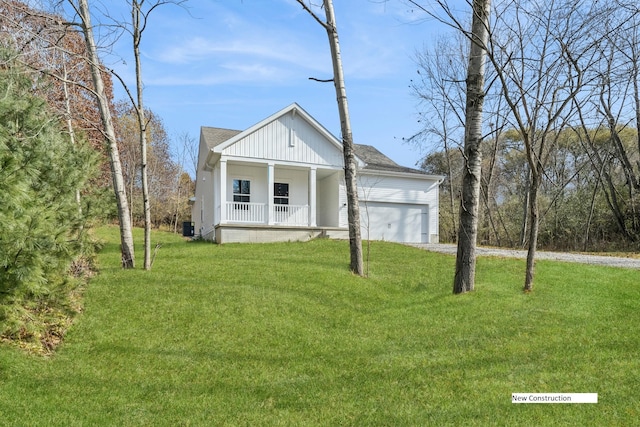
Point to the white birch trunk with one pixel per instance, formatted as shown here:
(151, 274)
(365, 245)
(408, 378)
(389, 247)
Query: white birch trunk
(467, 236)
(142, 123)
(126, 236)
(353, 209)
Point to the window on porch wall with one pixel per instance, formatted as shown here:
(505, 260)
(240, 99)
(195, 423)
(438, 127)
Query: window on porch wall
(241, 193)
(281, 196)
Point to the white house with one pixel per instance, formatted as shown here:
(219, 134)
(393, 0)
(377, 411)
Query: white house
(283, 179)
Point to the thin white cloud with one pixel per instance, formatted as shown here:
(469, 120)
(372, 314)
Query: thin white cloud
(200, 48)
(241, 72)
(235, 48)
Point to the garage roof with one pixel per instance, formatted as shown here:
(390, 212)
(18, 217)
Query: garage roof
(376, 161)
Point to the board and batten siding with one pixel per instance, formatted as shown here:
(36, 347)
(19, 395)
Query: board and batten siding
(288, 138)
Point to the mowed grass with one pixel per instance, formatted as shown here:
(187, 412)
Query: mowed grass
(284, 334)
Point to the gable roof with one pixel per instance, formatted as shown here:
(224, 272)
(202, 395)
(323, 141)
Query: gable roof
(367, 156)
(293, 108)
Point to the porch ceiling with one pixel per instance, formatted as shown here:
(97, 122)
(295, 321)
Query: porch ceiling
(321, 172)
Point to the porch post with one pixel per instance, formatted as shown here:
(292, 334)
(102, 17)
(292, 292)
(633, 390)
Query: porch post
(270, 181)
(223, 191)
(312, 197)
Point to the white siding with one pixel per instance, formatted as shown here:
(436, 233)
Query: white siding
(396, 189)
(328, 201)
(216, 194)
(202, 211)
(289, 138)
(343, 215)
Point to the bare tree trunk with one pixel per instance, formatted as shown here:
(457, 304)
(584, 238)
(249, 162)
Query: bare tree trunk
(635, 58)
(533, 231)
(592, 209)
(72, 134)
(486, 190)
(126, 236)
(353, 210)
(524, 225)
(636, 96)
(451, 193)
(142, 124)
(466, 257)
(132, 175)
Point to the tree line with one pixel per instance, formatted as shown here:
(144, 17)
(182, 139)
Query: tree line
(70, 156)
(560, 114)
(54, 54)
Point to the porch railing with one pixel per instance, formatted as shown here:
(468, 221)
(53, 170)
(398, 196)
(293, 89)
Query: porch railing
(246, 212)
(255, 213)
(290, 214)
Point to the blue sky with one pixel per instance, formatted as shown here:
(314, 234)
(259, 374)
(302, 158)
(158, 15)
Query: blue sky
(232, 63)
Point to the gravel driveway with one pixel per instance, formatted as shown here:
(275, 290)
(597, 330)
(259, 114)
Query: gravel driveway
(556, 256)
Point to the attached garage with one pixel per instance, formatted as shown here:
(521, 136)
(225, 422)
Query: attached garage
(394, 222)
(397, 204)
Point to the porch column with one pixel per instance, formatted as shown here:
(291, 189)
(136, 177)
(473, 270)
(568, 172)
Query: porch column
(312, 197)
(223, 191)
(270, 181)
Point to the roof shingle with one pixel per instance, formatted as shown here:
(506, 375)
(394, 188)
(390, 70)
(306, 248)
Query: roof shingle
(216, 136)
(376, 161)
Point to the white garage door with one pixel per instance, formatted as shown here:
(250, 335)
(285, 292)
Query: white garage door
(394, 222)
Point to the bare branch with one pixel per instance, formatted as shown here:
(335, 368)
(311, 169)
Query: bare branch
(314, 15)
(322, 80)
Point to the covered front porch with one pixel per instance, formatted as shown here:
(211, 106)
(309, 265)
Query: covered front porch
(271, 194)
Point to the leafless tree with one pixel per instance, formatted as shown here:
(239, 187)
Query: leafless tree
(353, 210)
(475, 93)
(610, 115)
(138, 24)
(439, 89)
(81, 9)
(560, 65)
(140, 13)
(538, 51)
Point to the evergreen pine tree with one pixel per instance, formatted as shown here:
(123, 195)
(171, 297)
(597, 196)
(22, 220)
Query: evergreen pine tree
(40, 171)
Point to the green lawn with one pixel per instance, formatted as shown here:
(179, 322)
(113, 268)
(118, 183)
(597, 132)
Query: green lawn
(283, 334)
